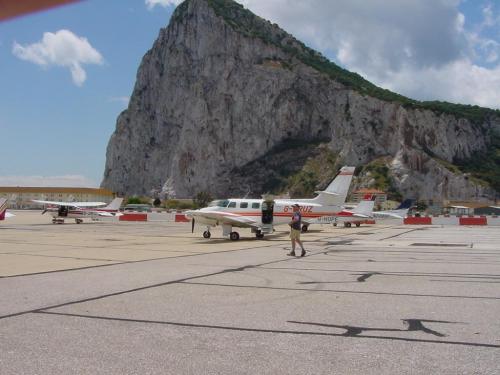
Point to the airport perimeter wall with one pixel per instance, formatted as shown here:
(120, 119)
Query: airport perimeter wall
(452, 220)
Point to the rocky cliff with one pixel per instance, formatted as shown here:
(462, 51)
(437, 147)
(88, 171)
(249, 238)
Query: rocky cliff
(226, 102)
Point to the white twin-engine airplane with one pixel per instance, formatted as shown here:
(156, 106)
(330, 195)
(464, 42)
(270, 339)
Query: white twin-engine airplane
(260, 215)
(80, 210)
(3, 209)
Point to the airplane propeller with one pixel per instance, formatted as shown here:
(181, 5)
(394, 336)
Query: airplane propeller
(192, 225)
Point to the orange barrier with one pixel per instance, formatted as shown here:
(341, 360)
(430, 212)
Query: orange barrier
(134, 217)
(181, 218)
(473, 220)
(418, 220)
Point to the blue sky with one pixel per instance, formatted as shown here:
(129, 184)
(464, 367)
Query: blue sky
(61, 93)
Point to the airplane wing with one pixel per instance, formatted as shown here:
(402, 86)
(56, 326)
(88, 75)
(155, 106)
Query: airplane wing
(358, 215)
(394, 214)
(224, 218)
(353, 214)
(71, 204)
(105, 214)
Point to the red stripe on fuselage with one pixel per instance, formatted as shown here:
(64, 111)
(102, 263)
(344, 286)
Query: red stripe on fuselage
(282, 214)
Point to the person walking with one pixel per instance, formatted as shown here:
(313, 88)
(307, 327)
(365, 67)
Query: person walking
(295, 225)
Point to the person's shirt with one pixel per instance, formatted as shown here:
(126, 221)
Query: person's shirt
(296, 220)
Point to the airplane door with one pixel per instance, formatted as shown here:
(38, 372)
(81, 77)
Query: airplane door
(63, 211)
(267, 212)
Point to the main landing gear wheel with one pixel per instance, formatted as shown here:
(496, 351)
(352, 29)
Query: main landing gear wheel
(347, 225)
(234, 236)
(305, 228)
(259, 234)
(79, 221)
(334, 224)
(358, 224)
(206, 234)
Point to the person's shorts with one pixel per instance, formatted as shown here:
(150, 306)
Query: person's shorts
(295, 234)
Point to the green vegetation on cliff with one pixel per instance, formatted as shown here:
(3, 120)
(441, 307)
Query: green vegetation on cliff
(309, 179)
(484, 166)
(379, 172)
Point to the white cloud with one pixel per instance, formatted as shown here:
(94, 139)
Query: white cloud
(419, 48)
(164, 3)
(62, 48)
(460, 81)
(47, 181)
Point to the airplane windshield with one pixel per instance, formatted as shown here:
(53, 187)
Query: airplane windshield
(220, 203)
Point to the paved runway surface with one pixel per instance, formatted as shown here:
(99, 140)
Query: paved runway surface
(152, 298)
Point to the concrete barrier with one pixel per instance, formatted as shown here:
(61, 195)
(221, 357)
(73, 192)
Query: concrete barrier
(452, 220)
(445, 220)
(467, 220)
(161, 216)
(493, 220)
(134, 217)
(181, 218)
(415, 220)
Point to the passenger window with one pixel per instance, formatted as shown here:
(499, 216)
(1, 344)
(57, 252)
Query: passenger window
(256, 205)
(232, 204)
(244, 205)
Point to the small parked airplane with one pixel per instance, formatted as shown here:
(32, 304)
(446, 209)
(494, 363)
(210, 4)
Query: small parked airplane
(3, 209)
(364, 211)
(260, 215)
(80, 210)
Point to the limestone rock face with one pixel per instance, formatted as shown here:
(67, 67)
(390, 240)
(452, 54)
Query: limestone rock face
(210, 101)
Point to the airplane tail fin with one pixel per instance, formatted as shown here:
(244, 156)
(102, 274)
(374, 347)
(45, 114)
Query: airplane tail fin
(114, 205)
(365, 207)
(3, 208)
(399, 212)
(407, 203)
(336, 192)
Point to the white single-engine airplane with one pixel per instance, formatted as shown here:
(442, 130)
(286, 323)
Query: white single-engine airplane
(364, 211)
(260, 215)
(3, 209)
(80, 210)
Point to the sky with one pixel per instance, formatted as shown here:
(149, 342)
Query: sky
(67, 73)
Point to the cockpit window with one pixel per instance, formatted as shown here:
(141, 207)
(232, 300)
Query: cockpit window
(232, 204)
(219, 203)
